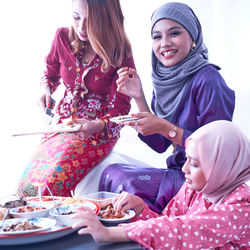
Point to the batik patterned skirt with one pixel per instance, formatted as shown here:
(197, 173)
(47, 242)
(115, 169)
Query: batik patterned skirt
(60, 163)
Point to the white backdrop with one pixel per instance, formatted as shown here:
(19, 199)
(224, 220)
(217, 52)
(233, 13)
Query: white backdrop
(27, 29)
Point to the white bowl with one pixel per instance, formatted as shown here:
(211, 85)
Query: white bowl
(66, 219)
(45, 200)
(40, 213)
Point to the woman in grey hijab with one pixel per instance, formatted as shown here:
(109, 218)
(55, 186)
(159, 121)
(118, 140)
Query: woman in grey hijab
(189, 92)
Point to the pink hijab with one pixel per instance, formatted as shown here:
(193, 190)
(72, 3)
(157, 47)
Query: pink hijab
(224, 153)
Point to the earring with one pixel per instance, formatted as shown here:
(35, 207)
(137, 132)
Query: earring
(193, 46)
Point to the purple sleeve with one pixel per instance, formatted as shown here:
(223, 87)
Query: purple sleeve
(207, 98)
(213, 100)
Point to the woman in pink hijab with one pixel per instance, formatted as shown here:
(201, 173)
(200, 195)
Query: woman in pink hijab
(212, 209)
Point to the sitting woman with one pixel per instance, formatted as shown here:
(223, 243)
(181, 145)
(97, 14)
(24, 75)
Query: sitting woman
(189, 92)
(86, 60)
(210, 210)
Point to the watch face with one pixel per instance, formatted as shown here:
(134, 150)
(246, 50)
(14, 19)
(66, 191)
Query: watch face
(172, 133)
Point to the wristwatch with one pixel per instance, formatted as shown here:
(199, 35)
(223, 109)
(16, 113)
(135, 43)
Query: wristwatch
(173, 132)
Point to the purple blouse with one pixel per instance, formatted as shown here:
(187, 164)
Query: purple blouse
(206, 98)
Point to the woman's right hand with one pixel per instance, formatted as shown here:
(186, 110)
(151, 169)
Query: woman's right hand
(129, 83)
(125, 201)
(45, 100)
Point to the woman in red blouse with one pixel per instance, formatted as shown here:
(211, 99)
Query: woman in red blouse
(85, 58)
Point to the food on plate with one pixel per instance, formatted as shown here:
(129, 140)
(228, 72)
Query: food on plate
(43, 199)
(28, 209)
(20, 226)
(68, 122)
(67, 212)
(110, 213)
(70, 200)
(123, 118)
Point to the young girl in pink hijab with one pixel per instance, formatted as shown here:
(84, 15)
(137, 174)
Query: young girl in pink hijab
(211, 209)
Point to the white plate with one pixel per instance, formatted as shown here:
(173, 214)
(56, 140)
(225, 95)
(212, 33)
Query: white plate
(129, 214)
(59, 128)
(54, 232)
(35, 214)
(42, 223)
(123, 118)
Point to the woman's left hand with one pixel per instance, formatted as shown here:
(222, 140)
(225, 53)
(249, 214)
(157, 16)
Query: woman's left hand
(90, 224)
(88, 127)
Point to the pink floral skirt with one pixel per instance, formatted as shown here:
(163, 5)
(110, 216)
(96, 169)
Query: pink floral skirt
(60, 163)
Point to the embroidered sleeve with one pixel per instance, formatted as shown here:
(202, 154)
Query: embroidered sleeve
(51, 75)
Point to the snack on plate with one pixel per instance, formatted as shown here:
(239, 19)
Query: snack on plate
(110, 213)
(28, 209)
(67, 122)
(45, 200)
(20, 226)
(70, 200)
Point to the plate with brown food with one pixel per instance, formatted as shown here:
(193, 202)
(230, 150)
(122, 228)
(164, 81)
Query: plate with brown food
(31, 211)
(123, 118)
(26, 225)
(110, 215)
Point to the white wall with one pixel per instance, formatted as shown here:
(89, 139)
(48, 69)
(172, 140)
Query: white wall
(27, 29)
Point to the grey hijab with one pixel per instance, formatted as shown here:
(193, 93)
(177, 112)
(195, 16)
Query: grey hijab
(170, 82)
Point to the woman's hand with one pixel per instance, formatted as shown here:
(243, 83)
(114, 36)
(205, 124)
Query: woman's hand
(148, 123)
(129, 83)
(125, 201)
(46, 100)
(91, 224)
(88, 127)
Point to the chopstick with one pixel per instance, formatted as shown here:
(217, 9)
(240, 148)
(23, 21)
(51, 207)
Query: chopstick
(51, 195)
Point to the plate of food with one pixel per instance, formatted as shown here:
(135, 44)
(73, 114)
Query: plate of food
(56, 200)
(123, 118)
(58, 128)
(31, 211)
(110, 215)
(26, 225)
(51, 233)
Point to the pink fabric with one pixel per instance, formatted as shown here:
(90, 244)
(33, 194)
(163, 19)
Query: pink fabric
(191, 222)
(62, 160)
(224, 152)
